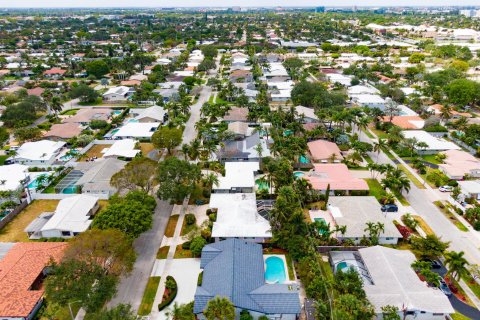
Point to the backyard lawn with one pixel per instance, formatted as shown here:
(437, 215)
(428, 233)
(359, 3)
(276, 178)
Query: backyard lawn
(146, 148)
(95, 151)
(172, 223)
(149, 296)
(376, 189)
(13, 231)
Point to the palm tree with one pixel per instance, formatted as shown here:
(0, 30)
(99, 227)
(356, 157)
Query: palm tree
(362, 123)
(456, 264)
(219, 308)
(185, 150)
(445, 113)
(379, 146)
(210, 180)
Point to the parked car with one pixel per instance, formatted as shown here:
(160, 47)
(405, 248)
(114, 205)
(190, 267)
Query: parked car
(434, 264)
(446, 188)
(445, 289)
(390, 208)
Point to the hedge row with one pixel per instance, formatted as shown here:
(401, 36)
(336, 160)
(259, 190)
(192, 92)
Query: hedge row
(172, 294)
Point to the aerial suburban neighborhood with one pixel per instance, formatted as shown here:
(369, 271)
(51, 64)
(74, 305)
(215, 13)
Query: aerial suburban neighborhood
(230, 162)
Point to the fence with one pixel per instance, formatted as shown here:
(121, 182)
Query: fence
(13, 214)
(60, 196)
(327, 249)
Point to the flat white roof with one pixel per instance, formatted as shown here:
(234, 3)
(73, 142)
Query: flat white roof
(72, 214)
(154, 112)
(137, 130)
(470, 186)
(122, 148)
(238, 175)
(39, 150)
(11, 175)
(369, 98)
(237, 216)
(395, 282)
(434, 143)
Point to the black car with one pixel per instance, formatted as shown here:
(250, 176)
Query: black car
(390, 208)
(445, 289)
(434, 264)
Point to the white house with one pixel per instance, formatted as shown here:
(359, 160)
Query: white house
(38, 153)
(122, 148)
(151, 114)
(136, 130)
(388, 279)
(11, 176)
(369, 100)
(238, 217)
(72, 216)
(355, 212)
(120, 93)
(306, 114)
(239, 178)
(435, 144)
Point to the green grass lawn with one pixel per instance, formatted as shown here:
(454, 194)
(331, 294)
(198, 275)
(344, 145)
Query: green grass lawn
(412, 178)
(163, 252)
(450, 216)
(376, 189)
(70, 112)
(472, 284)
(289, 260)
(3, 159)
(149, 296)
(181, 253)
(379, 133)
(187, 228)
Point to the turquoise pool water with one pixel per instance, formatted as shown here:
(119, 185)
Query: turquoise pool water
(275, 270)
(117, 112)
(34, 184)
(298, 174)
(262, 185)
(132, 120)
(321, 220)
(342, 265)
(114, 131)
(287, 133)
(70, 190)
(69, 156)
(303, 159)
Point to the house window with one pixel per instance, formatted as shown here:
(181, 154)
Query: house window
(66, 233)
(389, 238)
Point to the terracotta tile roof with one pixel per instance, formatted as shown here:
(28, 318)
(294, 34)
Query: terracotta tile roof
(323, 150)
(37, 91)
(406, 122)
(64, 130)
(19, 269)
(335, 174)
(55, 71)
(236, 114)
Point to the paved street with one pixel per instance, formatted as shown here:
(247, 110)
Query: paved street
(130, 290)
(190, 133)
(421, 202)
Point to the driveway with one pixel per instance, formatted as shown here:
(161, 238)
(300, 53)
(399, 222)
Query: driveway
(130, 289)
(457, 304)
(185, 272)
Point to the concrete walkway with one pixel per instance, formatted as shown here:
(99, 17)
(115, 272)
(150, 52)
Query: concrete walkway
(177, 239)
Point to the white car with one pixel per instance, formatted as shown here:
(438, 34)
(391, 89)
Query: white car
(446, 188)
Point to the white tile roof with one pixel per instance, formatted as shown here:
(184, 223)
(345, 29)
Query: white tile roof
(434, 143)
(237, 216)
(238, 175)
(11, 175)
(122, 148)
(395, 282)
(72, 214)
(137, 130)
(39, 150)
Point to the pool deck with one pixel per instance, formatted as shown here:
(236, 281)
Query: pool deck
(281, 256)
(316, 214)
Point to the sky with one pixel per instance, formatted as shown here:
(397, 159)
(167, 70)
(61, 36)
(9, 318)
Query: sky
(226, 3)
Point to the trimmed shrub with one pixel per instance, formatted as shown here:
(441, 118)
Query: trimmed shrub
(172, 288)
(190, 219)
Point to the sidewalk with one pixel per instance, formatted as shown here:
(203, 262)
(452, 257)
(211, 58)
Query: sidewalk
(174, 241)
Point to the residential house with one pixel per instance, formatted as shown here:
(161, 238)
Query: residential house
(369, 100)
(54, 73)
(72, 216)
(388, 279)
(12, 177)
(241, 76)
(239, 178)
(306, 115)
(458, 164)
(95, 176)
(236, 114)
(62, 131)
(85, 116)
(324, 151)
(38, 153)
(470, 189)
(151, 114)
(354, 213)
(235, 269)
(118, 94)
(434, 144)
(239, 129)
(124, 149)
(337, 176)
(244, 150)
(22, 272)
(136, 130)
(238, 217)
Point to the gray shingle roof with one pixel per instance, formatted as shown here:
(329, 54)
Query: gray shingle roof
(234, 269)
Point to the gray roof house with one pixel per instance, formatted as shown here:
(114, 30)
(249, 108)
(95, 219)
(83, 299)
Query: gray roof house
(244, 150)
(234, 269)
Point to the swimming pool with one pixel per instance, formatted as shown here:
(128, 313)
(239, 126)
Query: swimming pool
(70, 154)
(322, 221)
(262, 185)
(342, 266)
(132, 120)
(274, 270)
(70, 190)
(34, 183)
(117, 112)
(298, 174)
(303, 159)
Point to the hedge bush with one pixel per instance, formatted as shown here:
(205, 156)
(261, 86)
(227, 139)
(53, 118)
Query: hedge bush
(172, 294)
